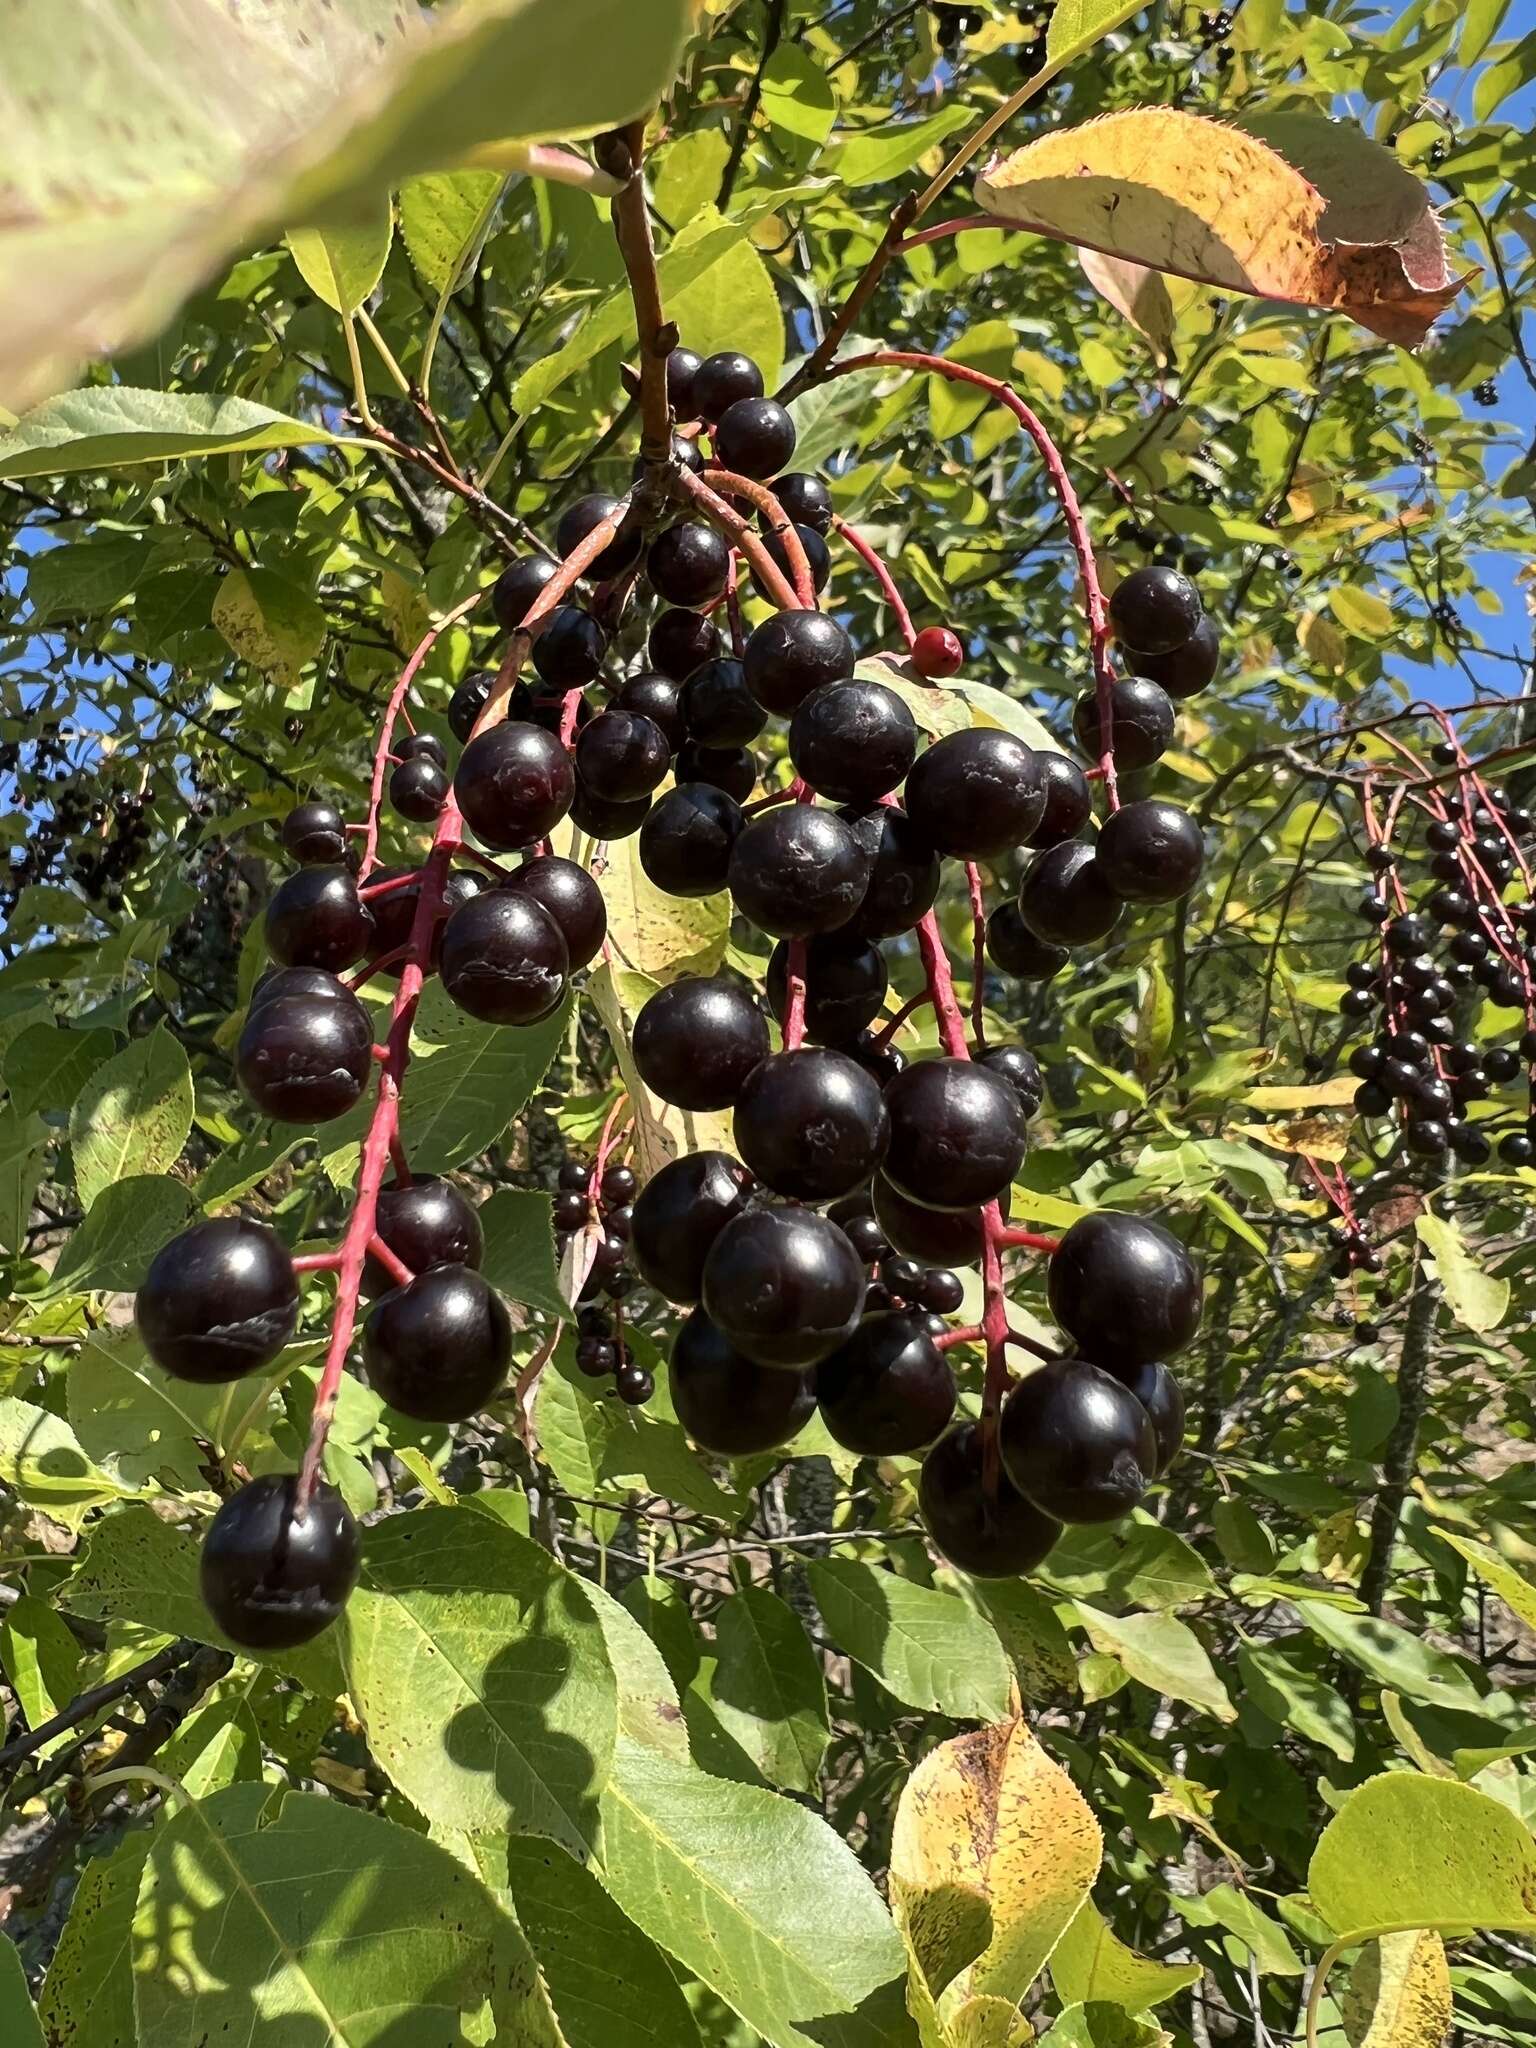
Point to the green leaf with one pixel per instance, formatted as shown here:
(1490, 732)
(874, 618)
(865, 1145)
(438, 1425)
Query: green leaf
(87, 1996)
(42, 1461)
(520, 1250)
(19, 2026)
(1399, 1993)
(342, 264)
(1481, 21)
(128, 1223)
(1512, 1587)
(1090, 1962)
(410, 1942)
(649, 1710)
(928, 1648)
(1160, 1651)
(1263, 1938)
(442, 221)
(133, 1115)
(1101, 2025)
(1360, 612)
(733, 304)
(47, 1065)
(1032, 1636)
(1391, 1655)
(140, 1569)
(142, 1426)
(112, 426)
(797, 95)
(41, 1659)
(469, 1080)
(752, 1893)
(1245, 1542)
(1076, 25)
(1476, 1298)
(483, 1676)
(955, 407)
(686, 173)
(24, 1146)
(1411, 1851)
(1134, 1563)
(269, 622)
(1154, 1021)
(767, 1687)
(301, 118)
(1280, 1685)
(877, 155)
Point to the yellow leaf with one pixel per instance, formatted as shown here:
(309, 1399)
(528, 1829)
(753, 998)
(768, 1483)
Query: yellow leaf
(1317, 1095)
(993, 1851)
(1321, 641)
(1140, 294)
(989, 2023)
(1399, 1993)
(1312, 1134)
(1195, 197)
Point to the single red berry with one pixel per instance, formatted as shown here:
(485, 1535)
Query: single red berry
(937, 652)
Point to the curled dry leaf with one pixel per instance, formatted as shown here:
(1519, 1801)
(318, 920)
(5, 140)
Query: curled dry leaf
(1310, 211)
(1133, 290)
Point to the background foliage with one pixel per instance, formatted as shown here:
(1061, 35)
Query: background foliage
(618, 1744)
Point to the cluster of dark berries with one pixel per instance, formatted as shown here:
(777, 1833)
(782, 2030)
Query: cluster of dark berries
(91, 833)
(602, 1354)
(1459, 939)
(1215, 28)
(605, 1203)
(1486, 393)
(953, 24)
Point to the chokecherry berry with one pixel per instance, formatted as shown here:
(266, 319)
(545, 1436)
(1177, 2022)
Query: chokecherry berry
(504, 959)
(273, 1577)
(1014, 950)
(904, 872)
(219, 1301)
(852, 742)
(731, 769)
(315, 832)
(686, 840)
(571, 897)
(1064, 898)
(1185, 670)
(1068, 801)
(940, 1292)
(717, 707)
(755, 437)
(514, 784)
(1125, 1289)
(570, 650)
(888, 1391)
(796, 871)
(996, 1535)
(305, 1058)
(783, 1285)
(633, 1385)
(695, 1042)
(579, 520)
(804, 499)
(438, 1349)
(1142, 722)
(1150, 852)
(425, 1223)
(1020, 1069)
(467, 703)
(811, 1124)
(622, 755)
(938, 652)
(1155, 610)
(658, 698)
(726, 1401)
(418, 789)
(688, 563)
(948, 1237)
(681, 641)
(845, 984)
(317, 919)
(679, 1213)
(818, 558)
(422, 746)
(602, 817)
(723, 378)
(976, 794)
(516, 588)
(791, 654)
(1077, 1442)
(682, 369)
(957, 1134)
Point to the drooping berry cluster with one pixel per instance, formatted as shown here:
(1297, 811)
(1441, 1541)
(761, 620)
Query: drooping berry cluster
(1438, 953)
(818, 1264)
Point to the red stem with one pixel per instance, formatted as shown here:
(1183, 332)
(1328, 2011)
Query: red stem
(1029, 1240)
(393, 1265)
(1072, 512)
(949, 227)
(383, 1128)
(759, 495)
(392, 711)
(794, 1015)
(883, 577)
(776, 587)
(978, 952)
(317, 1262)
(889, 1029)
